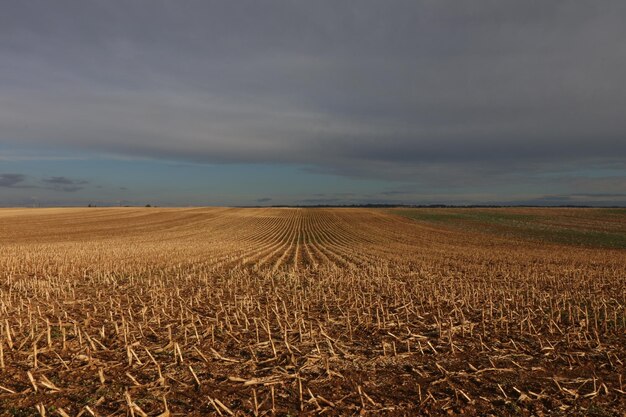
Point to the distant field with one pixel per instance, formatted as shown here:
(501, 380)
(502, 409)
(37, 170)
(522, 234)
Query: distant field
(220, 311)
(580, 227)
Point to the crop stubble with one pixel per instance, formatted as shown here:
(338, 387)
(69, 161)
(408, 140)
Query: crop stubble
(127, 311)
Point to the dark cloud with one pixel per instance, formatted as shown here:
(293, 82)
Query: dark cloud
(64, 184)
(600, 195)
(443, 94)
(51, 183)
(395, 193)
(63, 181)
(263, 200)
(11, 180)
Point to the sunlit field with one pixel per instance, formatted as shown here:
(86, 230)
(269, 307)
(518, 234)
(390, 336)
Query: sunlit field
(221, 311)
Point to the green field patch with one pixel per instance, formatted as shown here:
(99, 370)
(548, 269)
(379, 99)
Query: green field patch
(525, 226)
(580, 237)
(428, 216)
(465, 215)
(499, 217)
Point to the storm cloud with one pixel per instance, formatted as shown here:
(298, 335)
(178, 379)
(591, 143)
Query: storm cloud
(441, 93)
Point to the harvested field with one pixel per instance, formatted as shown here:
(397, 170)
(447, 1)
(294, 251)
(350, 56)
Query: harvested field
(221, 311)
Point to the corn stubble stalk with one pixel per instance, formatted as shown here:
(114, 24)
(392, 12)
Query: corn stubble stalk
(271, 311)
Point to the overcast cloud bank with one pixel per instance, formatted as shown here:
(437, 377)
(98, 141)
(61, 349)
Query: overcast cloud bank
(440, 94)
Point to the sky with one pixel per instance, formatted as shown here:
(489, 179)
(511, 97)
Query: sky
(247, 102)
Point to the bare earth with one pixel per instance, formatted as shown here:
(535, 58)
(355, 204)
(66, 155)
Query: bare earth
(220, 311)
